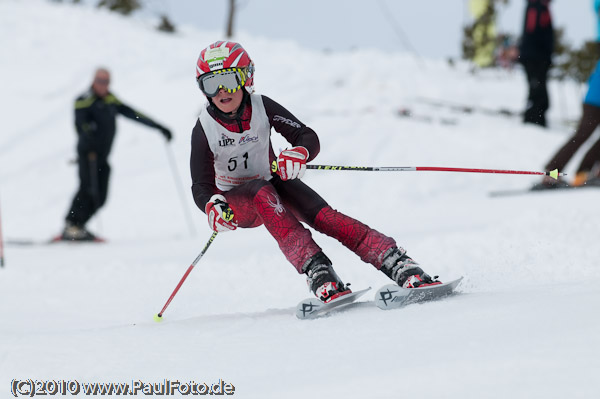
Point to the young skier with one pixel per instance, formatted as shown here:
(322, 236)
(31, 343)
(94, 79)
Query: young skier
(238, 181)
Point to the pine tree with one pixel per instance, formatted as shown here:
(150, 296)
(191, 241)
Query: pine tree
(124, 7)
(165, 25)
(480, 39)
(577, 64)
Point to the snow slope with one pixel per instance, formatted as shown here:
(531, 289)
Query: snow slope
(525, 326)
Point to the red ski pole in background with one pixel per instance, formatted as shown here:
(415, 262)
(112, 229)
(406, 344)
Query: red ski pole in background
(158, 316)
(553, 173)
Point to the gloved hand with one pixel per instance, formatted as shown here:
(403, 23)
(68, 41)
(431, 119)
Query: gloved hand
(166, 132)
(291, 164)
(220, 215)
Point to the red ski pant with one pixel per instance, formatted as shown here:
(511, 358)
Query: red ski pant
(281, 205)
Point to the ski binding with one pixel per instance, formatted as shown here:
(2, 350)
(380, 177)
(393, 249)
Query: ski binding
(311, 308)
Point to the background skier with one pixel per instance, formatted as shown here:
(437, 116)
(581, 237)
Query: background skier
(95, 122)
(535, 53)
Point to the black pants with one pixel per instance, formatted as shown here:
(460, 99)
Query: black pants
(588, 123)
(537, 100)
(93, 189)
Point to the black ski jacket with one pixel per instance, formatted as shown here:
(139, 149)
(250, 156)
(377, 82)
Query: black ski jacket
(95, 121)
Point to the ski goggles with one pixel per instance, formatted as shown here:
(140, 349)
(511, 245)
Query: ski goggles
(230, 79)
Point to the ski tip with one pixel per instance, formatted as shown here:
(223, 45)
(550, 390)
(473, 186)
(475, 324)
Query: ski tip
(553, 174)
(158, 318)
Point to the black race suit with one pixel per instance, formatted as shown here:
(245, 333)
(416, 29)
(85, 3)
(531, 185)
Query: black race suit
(95, 122)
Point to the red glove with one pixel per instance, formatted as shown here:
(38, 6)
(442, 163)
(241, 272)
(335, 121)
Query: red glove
(220, 215)
(291, 164)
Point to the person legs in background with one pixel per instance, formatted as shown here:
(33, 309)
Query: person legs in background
(92, 193)
(537, 100)
(588, 172)
(587, 125)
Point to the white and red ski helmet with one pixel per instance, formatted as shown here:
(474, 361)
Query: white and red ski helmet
(223, 55)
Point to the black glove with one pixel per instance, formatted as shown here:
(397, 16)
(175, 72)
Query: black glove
(166, 132)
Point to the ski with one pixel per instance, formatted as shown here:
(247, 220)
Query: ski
(59, 238)
(475, 109)
(409, 114)
(53, 240)
(470, 109)
(391, 296)
(522, 191)
(312, 308)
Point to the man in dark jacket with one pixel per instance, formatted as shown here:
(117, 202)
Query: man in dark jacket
(95, 121)
(537, 45)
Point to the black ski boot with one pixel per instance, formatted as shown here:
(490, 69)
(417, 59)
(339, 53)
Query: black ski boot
(404, 271)
(322, 279)
(549, 183)
(74, 232)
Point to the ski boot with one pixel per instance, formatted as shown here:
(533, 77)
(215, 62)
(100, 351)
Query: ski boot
(74, 232)
(580, 179)
(549, 183)
(404, 271)
(322, 279)
(593, 181)
(584, 178)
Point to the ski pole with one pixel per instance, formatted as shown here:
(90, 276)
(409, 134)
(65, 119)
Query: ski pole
(176, 177)
(553, 173)
(95, 184)
(158, 316)
(95, 189)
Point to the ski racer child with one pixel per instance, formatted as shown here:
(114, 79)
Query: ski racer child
(238, 181)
